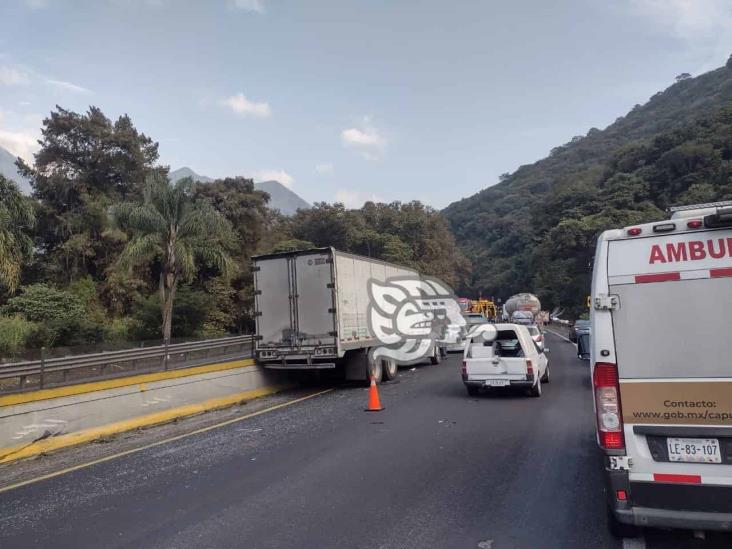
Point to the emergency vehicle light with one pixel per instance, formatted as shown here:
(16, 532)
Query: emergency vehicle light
(694, 224)
(664, 227)
(635, 231)
(721, 204)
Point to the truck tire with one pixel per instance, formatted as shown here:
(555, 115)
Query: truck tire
(375, 370)
(545, 377)
(435, 358)
(389, 367)
(619, 529)
(535, 391)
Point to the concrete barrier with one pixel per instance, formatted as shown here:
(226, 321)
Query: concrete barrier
(41, 421)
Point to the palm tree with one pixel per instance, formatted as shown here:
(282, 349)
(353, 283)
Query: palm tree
(175, 231)
(16, 220)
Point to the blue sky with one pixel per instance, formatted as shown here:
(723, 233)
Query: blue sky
(351, 100)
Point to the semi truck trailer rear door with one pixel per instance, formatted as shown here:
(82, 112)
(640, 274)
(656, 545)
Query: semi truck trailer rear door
(314, 304)
(294, 301)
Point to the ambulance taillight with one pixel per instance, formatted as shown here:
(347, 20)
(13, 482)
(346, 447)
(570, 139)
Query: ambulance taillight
(607, 403)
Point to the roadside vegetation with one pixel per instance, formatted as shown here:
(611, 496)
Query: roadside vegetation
(108, 251)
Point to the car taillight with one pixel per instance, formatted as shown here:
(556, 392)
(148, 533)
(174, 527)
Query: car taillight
(529, 368)
(607, 403)
(464, 370)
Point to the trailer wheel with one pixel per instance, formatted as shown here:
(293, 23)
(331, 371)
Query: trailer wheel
(389, 367)
(435, 358)
(375, 370)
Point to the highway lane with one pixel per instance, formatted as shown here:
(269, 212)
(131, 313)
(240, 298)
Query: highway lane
(435, 469)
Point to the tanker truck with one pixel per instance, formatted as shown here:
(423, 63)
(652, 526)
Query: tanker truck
(522, 308)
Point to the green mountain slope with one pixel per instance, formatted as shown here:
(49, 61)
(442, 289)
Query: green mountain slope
(536, 229)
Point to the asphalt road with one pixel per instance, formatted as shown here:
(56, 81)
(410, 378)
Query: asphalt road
(435, 469)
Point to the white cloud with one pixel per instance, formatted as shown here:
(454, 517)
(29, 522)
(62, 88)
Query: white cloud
(21, 142)
(355, 199)
(67, 86)
(13, 76)
(703, 26)
(365, 138)
(244, 107)
(256, 6)
(19, 75)
(278, 175)
(688, 19)
(325, 168)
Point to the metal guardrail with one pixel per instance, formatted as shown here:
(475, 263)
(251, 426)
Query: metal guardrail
(54, 372)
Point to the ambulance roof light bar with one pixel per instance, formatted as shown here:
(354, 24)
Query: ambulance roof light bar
(721, 204)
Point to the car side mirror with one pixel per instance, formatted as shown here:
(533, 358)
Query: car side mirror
(546, 351)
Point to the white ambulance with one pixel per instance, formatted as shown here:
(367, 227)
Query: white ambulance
(661, 355)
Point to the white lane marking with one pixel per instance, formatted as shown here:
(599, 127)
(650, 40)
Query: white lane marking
(634, 543)
(559, 335)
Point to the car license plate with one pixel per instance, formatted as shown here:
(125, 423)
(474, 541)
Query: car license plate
(498, 383)
(694, 450)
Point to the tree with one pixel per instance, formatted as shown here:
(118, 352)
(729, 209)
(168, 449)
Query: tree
(173, 234)
(411, 234)
(85, 164)
(683, 76)
(253, 226)
(16, 221)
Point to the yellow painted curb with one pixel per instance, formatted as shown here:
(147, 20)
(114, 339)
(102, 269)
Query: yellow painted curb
(87, 435)
(140, 379)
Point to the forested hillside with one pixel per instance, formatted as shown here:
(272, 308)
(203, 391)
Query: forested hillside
(536, 229)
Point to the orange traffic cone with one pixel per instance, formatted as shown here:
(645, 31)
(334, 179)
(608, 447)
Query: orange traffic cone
(374, 402)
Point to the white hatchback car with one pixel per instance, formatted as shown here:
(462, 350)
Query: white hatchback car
(504, 355)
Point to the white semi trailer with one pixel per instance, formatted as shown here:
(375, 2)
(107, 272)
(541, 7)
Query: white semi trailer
(311, 312)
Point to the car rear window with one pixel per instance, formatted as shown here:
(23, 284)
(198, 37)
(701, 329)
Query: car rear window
(508, 344)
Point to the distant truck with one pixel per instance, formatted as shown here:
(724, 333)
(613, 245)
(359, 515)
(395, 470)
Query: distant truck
(522, 308)
(311, 312)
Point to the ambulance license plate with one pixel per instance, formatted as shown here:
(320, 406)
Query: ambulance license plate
(694, 450)
(498, 383)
